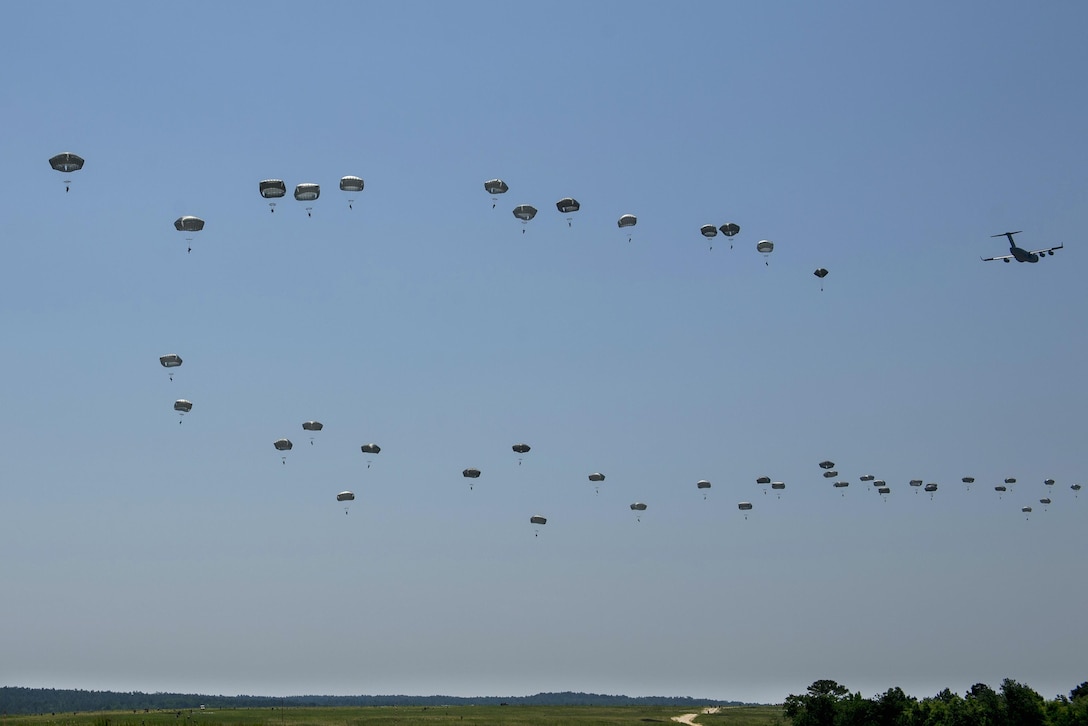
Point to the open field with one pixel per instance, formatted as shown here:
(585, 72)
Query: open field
(388, 715)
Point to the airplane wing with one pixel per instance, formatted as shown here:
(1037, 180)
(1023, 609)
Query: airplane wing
(991, 259)
(1047, 251)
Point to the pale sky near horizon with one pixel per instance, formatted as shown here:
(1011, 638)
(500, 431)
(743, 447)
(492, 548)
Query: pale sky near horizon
(884, 142)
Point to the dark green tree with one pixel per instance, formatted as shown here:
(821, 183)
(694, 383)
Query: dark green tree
(1023, 705)
(819, 707)
(892, 708)
(984, 706)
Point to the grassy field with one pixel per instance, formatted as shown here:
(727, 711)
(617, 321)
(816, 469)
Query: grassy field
(389, 715)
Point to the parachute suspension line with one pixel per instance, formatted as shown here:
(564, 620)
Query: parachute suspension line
(272, 207)
(309, 211)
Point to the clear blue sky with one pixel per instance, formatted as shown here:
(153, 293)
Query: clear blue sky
(883, 141)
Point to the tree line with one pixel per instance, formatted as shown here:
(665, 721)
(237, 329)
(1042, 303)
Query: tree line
(829, 704)
(24, 701)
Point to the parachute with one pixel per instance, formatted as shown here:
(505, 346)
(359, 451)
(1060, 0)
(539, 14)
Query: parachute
(744, 507)
(968, 480)
(820, 273)
(524, 212)
(765, 247)
(471, 474)
(596, 477)
(370, 450)
(272, 189)
(520, 449)
(351, 185)
(627, 220)
(638, 507)
(763, 480)
(66, 162)
(182, 407)
(307, 192)
(283, 445)
(170, 361)
(495, 187)
(730, 230)
(1011, 480)
(931, 487)
(827, 465)
(312, 426)
(702, 484)
(830, 474)
(866, 477)
(710, 232)
(539, 521)
(778, 486)
(345, 497)
(189, 224)
(568, 206)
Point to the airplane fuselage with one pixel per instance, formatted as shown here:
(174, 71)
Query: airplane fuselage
(1023, 255)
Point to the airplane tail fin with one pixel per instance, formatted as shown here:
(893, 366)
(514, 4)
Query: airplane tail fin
(1009, 235)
